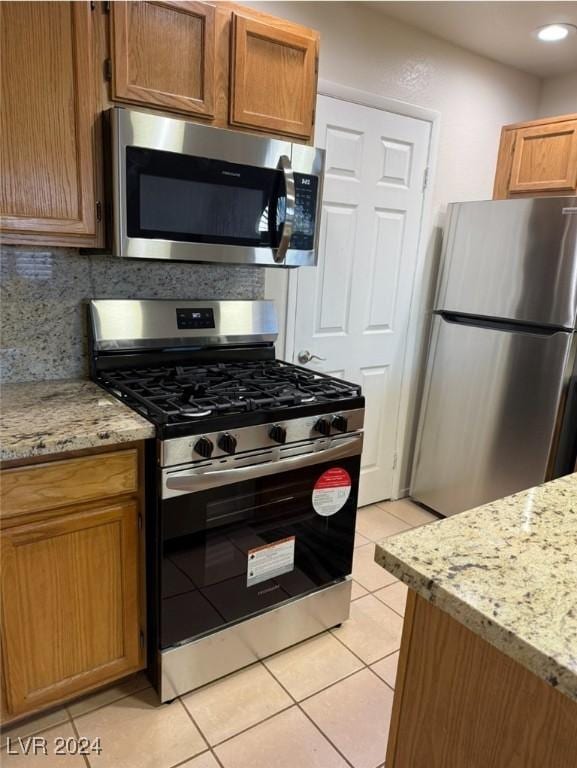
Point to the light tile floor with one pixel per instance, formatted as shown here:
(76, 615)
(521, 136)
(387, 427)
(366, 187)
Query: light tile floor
(325, 703)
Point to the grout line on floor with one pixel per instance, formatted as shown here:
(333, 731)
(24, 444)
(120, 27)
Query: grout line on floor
(254, 725)
(77, 734)
(298, 703)
(382, 658)
(102, 690)
(200, 754)
(193, 721)
(32, 718)
(295, 704)
(324, 735)
(380, 678)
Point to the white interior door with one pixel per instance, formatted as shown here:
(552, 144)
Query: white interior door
(353, 309)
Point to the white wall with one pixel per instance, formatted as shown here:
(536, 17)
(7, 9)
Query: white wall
(558, 96)
(364, 49)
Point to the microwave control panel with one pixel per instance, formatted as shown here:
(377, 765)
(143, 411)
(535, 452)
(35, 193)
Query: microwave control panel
(306, 190)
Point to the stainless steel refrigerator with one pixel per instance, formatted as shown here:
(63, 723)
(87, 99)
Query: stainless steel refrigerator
(499, 412)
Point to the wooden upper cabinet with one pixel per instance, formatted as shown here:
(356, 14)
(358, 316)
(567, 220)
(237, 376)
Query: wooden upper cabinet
(47, 160)
(69, 604)
(538, 158)
(273, 76)
(163, 55)
(545, 158)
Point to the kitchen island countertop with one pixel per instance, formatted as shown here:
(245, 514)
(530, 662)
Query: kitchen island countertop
(51, 417)
(507, 571)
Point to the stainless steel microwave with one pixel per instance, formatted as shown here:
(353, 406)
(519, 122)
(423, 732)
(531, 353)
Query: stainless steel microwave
(189, 192)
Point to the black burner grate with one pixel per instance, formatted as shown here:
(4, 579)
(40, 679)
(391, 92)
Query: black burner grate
(170, 395)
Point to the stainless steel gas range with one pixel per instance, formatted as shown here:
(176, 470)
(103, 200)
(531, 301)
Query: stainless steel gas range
(252, 482)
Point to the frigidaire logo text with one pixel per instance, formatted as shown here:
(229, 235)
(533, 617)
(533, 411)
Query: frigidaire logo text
(268, 589)
(230, 173)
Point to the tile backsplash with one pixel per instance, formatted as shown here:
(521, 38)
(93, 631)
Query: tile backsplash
(43, 290)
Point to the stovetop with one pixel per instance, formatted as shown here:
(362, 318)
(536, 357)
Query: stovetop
(191, 399)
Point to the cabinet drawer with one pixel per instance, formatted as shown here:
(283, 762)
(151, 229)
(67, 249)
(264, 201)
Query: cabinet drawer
(71, 481)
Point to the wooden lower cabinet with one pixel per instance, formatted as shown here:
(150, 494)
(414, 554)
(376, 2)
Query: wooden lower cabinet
(71, 601)
(461, 703)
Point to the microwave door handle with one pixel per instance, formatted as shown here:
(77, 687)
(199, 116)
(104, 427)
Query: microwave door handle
(279, 254)
(193, 480)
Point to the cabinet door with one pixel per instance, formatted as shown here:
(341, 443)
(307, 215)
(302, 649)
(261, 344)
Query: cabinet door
(69, 604)
(164, 55)
(545, 158)
(273, 77)
(47, 183)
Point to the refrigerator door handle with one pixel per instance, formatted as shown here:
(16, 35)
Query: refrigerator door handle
(495, 324)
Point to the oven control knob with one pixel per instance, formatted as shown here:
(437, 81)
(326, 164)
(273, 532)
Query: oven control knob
(204, 447)
(277, 433)
(340, 423)
(227, 443)
(323, 426)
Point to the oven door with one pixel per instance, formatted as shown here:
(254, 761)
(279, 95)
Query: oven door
(188, 192)
(237, 540)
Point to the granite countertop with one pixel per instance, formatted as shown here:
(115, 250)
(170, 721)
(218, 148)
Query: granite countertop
(50, 417)
(507, 571)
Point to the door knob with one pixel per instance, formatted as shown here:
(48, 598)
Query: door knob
(304, 356)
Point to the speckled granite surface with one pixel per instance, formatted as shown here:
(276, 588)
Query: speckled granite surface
(43, 418)
(43, 291)
(506, 570)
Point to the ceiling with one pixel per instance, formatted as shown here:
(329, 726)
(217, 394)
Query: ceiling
(502, 31)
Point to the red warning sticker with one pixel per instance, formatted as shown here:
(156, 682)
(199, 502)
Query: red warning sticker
(331, 491)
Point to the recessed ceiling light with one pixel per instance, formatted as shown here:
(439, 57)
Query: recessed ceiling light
(553, 33)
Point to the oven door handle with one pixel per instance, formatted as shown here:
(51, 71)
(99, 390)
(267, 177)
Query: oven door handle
(192, 480)
(279, 254)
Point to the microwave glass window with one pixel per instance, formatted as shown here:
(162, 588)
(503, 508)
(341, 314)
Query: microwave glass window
(199, 208)
(195, 199)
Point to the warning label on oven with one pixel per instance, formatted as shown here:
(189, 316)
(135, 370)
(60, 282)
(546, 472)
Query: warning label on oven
(331, 491)
(270, 560)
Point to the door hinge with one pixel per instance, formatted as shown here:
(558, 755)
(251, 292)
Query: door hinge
(395, 457)
(139, 521)
(141, 639)
(316, 65)
(107, 7)
(92, 4)
(108, 69)
(98, 210)
(425, 178)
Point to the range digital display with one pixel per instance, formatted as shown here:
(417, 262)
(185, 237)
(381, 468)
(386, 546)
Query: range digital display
(194, 318)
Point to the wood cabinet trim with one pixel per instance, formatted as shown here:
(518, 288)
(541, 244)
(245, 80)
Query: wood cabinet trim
(540, 121)
(55, 485)
(20, 694)
(402, 666)
(85, 114)
(276, 32)
(126, 91)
